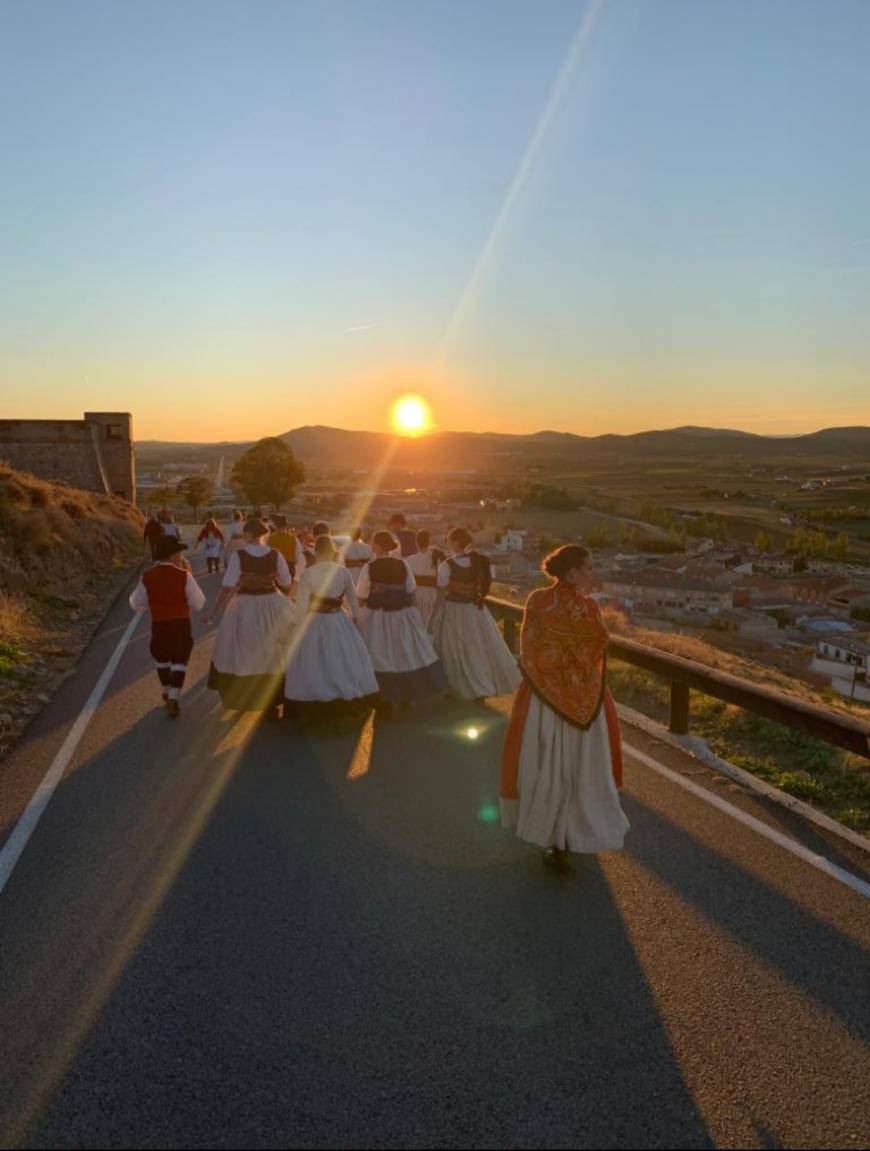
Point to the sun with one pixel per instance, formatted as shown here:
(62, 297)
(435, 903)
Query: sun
(411, 416)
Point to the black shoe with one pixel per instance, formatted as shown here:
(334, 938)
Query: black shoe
(173, 708)
(557, 860)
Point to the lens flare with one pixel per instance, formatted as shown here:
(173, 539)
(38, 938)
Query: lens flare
(411, 416)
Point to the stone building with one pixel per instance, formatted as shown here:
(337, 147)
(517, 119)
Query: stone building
(95, 453)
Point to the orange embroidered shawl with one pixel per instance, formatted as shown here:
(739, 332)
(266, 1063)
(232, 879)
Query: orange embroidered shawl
(563, 644)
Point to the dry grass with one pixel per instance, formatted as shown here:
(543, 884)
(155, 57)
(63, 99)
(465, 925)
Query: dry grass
(696, 649)
(54, 537)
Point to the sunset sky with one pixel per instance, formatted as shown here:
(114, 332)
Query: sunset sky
(235, 218)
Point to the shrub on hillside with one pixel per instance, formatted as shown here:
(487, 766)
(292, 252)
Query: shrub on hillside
(52, 534)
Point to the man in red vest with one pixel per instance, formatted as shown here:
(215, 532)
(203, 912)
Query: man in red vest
(169, 591)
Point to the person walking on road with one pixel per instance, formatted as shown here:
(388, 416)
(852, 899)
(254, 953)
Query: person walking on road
(477, 660)
(250, 648)
(235, 536)
(424, 564)
(330, 670)
(406, 538)
(169, 591)
(562, 758)
(287, 543)
(212, 539)
(153, 534)
(357, 553)
(405, 661)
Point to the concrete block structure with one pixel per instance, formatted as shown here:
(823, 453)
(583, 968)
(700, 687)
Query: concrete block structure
(95, 453)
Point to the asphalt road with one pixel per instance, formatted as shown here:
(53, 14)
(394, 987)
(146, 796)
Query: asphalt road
(231, 933)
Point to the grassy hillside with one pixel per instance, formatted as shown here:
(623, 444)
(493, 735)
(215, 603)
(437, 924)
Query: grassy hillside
(835, 781)
(64, 553)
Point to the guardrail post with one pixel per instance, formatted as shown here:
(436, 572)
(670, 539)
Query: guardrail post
(679, 720)
(510, 632)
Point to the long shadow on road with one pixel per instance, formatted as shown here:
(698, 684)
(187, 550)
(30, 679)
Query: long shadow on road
(262, 934)
(315, 939)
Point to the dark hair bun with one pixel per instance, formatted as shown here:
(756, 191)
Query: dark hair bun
(385, 540)
(562, 560)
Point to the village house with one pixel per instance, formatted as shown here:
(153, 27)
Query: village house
(847, 662)
(653, 591)
(514, 540)
(750, 624)
(845, 649)
(814, 589)
(778, 564)
(848, 598)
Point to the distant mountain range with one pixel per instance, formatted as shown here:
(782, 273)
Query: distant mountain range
(456, 450)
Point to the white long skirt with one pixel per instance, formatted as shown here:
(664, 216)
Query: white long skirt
(329, 661)
(567, 794)
(397, 640)
(426, 598)
(250, 650)
(476, 659)
(404, 657)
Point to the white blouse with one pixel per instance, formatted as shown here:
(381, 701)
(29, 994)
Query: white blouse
(462, 559)
(421, 563)
(357, 550)
(329, 580)
(234, 566)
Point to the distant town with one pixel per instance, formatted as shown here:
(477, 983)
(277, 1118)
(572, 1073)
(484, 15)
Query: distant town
(768, 559)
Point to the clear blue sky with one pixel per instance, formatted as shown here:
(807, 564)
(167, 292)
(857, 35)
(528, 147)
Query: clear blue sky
(233, 218)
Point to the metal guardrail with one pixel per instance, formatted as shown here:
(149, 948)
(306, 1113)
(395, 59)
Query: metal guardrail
(685, 676)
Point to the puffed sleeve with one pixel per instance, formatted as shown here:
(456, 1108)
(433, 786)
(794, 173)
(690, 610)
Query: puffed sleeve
(351, 592)
(234, 571)
(285, 579)
(194, 594)
(139, 598)
(410, 582)
(303, 596)
(443, 574)
(364, 583)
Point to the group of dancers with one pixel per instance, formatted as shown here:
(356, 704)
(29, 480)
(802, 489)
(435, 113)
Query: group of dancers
(310, 628)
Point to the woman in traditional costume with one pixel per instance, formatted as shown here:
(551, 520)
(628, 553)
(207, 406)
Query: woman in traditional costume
(424, 564)
(330, 668)
(212, 540)
(251, 645)
(357, 553)
(235, 536)
(562, 759)
(406, 663)
(477, 660)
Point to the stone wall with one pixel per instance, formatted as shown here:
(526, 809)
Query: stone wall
(95, 453)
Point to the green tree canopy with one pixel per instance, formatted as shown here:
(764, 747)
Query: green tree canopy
(194, 491)
(162, 497)
(268, 473)
(763, 542)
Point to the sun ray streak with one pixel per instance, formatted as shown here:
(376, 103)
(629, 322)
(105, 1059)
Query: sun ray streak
(558, 92)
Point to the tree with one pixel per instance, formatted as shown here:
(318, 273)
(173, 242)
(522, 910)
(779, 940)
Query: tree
(763, 542)
(268, 473)
(838, 549)
(162, 497)
(194, 491)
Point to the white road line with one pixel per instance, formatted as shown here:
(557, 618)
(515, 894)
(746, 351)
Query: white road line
(32, 814)
(791, 845)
